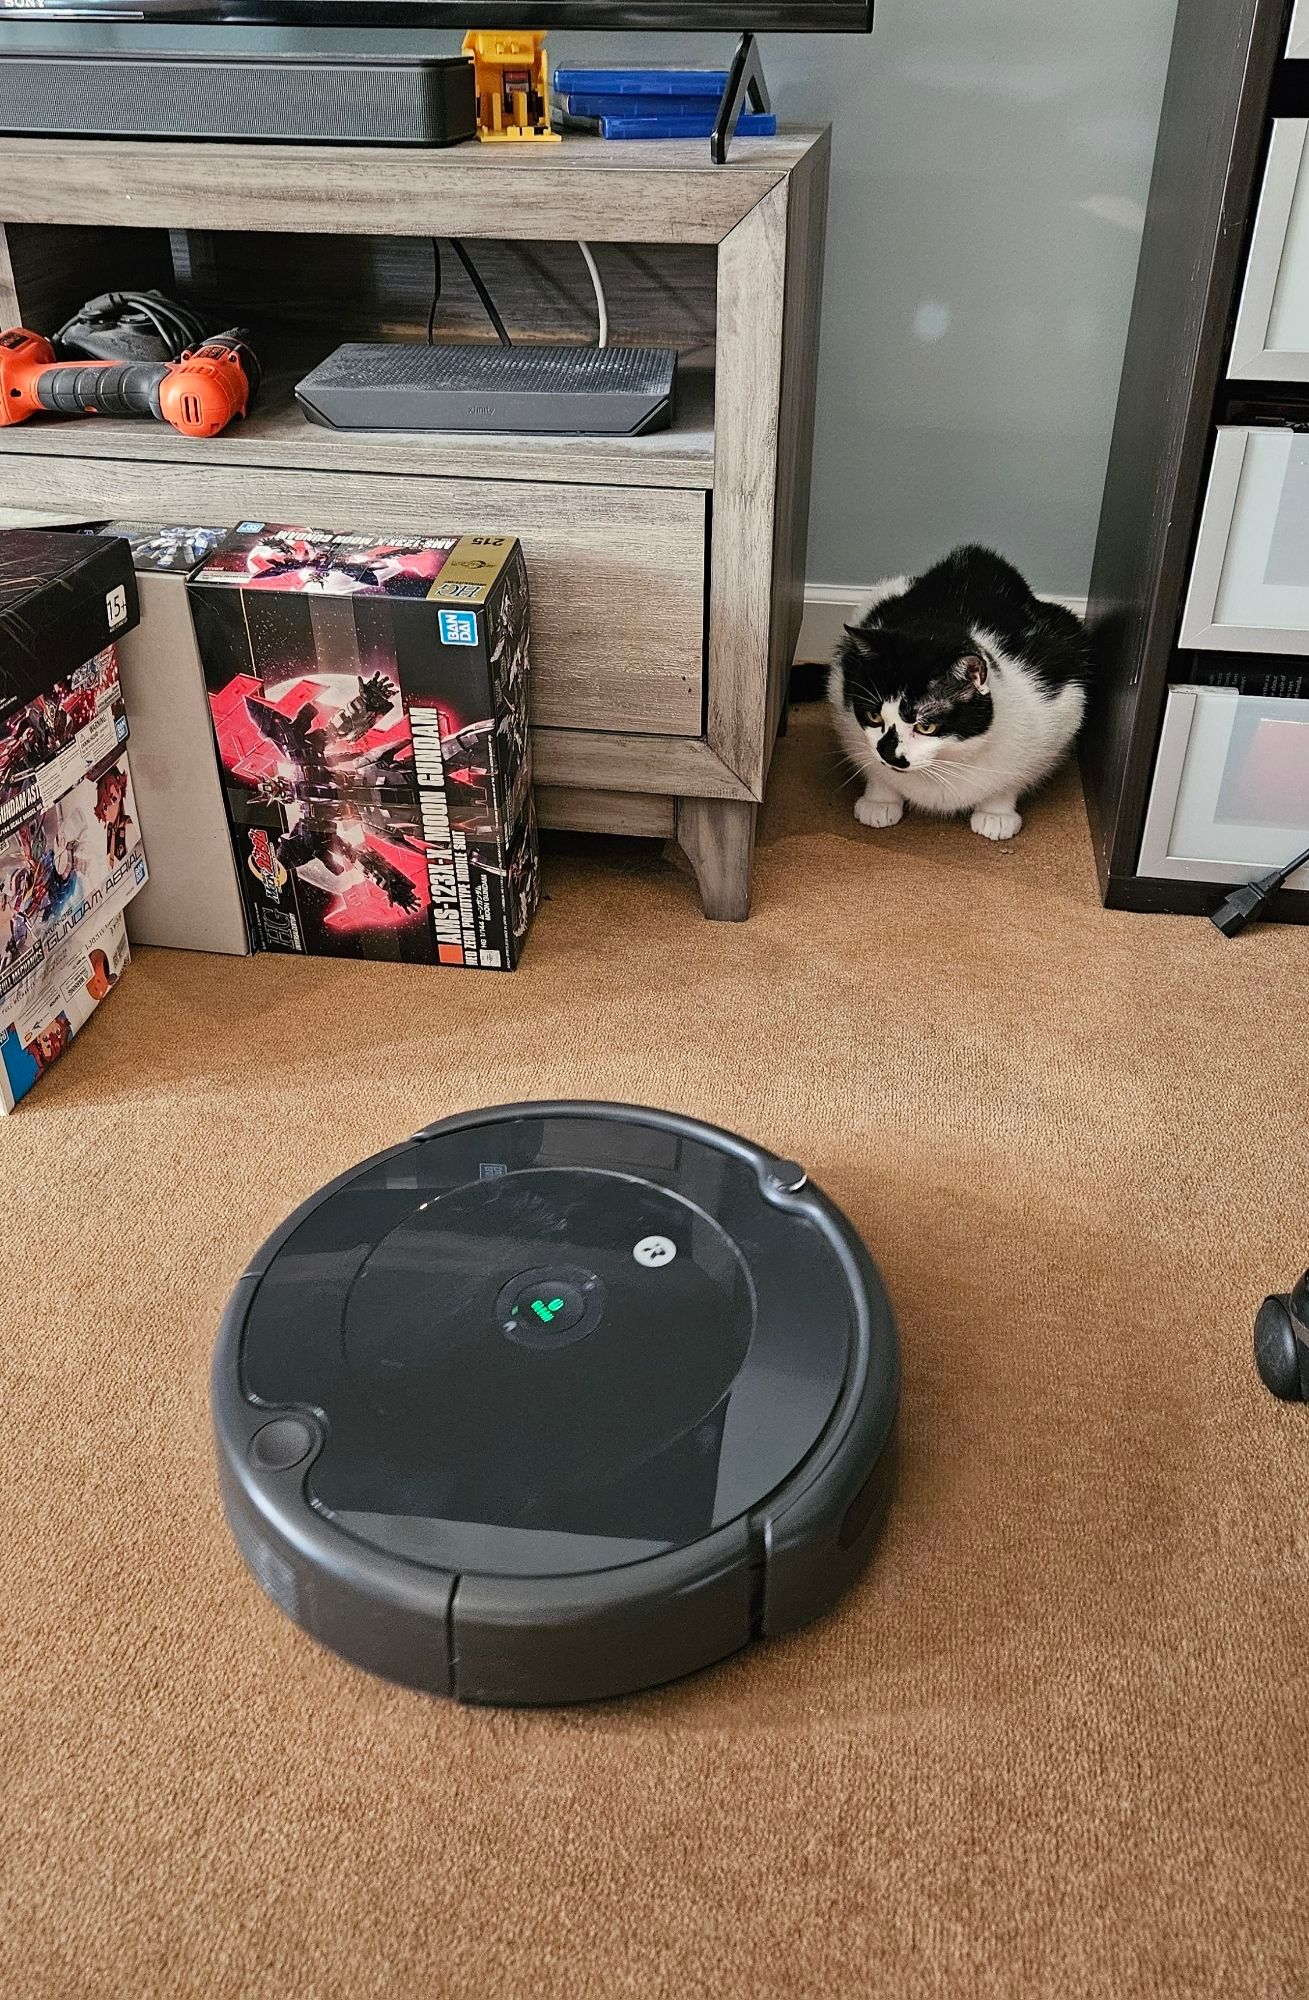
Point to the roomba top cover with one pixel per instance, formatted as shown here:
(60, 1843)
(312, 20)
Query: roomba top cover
(557, 1401)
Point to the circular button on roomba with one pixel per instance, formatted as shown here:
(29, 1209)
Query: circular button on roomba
(551, 1307)
(280, 1445)
(544, 1469)
(555, 1305)
(653, 1252)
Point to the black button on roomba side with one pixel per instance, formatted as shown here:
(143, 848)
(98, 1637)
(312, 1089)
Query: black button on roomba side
(557, 1401)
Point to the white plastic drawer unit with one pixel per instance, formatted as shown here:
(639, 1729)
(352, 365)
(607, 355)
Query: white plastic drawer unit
(1249, 588)
(1297, 41)
(1231, 787)
(1271, 339)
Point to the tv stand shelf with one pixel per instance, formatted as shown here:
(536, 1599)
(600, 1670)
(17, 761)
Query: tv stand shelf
(666, 571)
(277, 434)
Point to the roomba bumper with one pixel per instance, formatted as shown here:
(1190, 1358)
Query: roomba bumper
(557, 1401)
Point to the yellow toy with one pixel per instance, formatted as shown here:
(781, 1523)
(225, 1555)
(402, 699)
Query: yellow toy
(513, 84)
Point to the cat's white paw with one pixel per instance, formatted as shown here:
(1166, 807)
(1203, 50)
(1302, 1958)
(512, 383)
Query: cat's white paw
(996, 825)
(878, 812)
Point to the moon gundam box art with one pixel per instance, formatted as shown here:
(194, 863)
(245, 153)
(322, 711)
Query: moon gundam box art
(369, 703)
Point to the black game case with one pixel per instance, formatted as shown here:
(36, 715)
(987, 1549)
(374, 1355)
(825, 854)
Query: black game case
(369, 701)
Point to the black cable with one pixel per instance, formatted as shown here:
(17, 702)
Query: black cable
(481, 290)
(177, 326)
(165, 324)
(436, 289)
(1235, 911)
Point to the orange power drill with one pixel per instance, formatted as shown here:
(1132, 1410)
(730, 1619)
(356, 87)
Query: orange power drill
(199, 394)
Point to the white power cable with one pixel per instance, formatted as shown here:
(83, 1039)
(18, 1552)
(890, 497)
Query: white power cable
(601, 303)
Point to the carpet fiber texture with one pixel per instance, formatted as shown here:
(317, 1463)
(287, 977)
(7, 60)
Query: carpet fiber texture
(1053, 1744)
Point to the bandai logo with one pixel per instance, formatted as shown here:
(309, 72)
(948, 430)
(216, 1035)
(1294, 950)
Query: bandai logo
(264, 864)
(458, 628)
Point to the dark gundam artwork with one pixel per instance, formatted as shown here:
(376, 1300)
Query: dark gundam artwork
(376, 767)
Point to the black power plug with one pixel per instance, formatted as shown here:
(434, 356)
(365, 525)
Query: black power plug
(1247, 902)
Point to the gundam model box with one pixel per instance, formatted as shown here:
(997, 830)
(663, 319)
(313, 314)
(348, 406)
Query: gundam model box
(63, 599)
(193, 900)
(58, 736)
(369, 700)
(68, 865)
(41, 1015)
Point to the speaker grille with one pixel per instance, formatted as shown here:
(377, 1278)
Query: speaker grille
(364, 102)
(637, 371)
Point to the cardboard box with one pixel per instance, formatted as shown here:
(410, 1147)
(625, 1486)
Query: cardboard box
(77, 862)
(369, 698)
(46, 746)
(193, 900)
(63, 599)
(41, 1016)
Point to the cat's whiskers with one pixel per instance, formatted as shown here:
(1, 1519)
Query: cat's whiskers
(936, 773)
(1000, 676)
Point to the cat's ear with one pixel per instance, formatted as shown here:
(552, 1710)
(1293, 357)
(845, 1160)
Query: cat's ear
(863, 638)
(972, 667)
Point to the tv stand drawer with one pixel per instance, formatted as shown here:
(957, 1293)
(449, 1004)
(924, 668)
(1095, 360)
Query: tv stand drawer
(617, 573)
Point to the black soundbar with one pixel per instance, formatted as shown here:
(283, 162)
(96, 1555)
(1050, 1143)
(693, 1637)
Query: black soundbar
(342, 100)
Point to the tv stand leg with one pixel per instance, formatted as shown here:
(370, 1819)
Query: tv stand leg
(745, 76)
(717, 838)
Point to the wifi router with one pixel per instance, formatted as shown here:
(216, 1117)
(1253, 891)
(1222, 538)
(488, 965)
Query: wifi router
(557, 1401)
(473, 386)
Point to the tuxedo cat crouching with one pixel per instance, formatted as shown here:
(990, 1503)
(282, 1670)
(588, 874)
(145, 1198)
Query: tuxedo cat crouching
(957, 691)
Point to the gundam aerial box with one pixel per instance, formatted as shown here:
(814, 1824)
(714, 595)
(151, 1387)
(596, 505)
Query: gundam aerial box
(553, 1402)
(63, 599)
(40, 1017)
(193, 900)
(67, 867)
(369, 700)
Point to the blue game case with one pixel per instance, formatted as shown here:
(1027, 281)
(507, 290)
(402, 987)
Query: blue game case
(642, 82)
(752, 125)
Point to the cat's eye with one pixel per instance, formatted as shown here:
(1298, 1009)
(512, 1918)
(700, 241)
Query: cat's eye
(926, 728)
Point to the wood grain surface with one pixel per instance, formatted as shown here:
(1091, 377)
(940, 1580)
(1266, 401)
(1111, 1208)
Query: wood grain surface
(633, 813)
(641, 193)
(751, 278)
(617, 574)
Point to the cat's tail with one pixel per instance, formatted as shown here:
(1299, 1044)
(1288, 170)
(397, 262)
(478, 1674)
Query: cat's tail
(809, 680)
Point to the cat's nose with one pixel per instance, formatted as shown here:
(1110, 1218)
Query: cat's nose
(888, 749)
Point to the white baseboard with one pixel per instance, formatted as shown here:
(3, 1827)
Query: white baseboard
(829, 607)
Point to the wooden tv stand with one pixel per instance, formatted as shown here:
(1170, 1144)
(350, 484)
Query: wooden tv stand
(667, 571)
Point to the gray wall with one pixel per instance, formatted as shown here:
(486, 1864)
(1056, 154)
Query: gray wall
(990, 165)
(991, 160)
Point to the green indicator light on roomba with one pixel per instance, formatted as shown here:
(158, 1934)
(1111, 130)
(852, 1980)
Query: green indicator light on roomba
(545, 1309)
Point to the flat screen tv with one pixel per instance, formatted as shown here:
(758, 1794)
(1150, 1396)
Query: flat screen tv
(683, 16)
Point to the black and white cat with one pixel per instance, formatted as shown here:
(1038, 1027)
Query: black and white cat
(958, 691)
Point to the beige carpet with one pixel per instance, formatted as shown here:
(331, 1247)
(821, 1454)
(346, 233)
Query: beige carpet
(1054, 1744)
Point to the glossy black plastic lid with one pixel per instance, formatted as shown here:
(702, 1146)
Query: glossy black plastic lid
(550, 1345)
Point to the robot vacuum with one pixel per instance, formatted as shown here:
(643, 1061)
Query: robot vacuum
(555, 1402)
